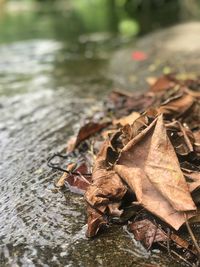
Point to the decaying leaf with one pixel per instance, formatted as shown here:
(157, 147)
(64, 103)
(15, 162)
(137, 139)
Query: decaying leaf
(181, 137)
(197, 142)
(86, 131)
(163, 83)
(106, 188)
(127, 119)
(77, 178)
(149, 233)
(193, 178)
(106, 184)
(177, 106)
(124, 103)
(149, 161)
(78, 183)
(95, 220)
(149, 165)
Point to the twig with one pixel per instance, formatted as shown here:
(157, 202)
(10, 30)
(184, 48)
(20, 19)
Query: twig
(168, 241)
(55, 166)
(192, 235)
(177, 255)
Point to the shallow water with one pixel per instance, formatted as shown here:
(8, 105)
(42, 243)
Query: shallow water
(46, 87)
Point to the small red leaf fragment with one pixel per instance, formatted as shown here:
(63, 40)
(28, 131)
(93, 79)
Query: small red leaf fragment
(139, 56)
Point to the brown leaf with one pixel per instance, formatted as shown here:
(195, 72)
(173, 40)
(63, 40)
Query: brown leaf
(181, 137)
(193, 178)
(163, 83)
(147, 233)
(177, 106)
(197, 142)
(125, 103)
(148, 164)
(192, 116)
(107, 188)
(85, 132)
(95, 220)
(195, 94)
(127, 119)
(78, 183)
(106, 184)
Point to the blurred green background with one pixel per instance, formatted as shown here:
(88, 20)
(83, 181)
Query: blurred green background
(70, 19)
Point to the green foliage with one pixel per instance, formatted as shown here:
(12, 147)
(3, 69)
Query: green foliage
(129, 27)
(93, 13)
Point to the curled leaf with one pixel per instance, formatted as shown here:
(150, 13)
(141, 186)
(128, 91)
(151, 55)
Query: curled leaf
(106, 188)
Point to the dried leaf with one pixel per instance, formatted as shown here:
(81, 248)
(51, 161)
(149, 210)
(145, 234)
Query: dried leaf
(127, 119)
(85, 132)
(163, 83)
(78, 183)
(106, 184)
(125, 103)
(177, 106)
(197, 142)
(106, 189)
(95, 220)
(193, 178)
(181, 137)
(148, 164)
(147, 232)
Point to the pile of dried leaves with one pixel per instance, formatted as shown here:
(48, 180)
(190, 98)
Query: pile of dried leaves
(139, 164)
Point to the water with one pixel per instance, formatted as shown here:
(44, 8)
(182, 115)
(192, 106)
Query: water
(48, 83)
